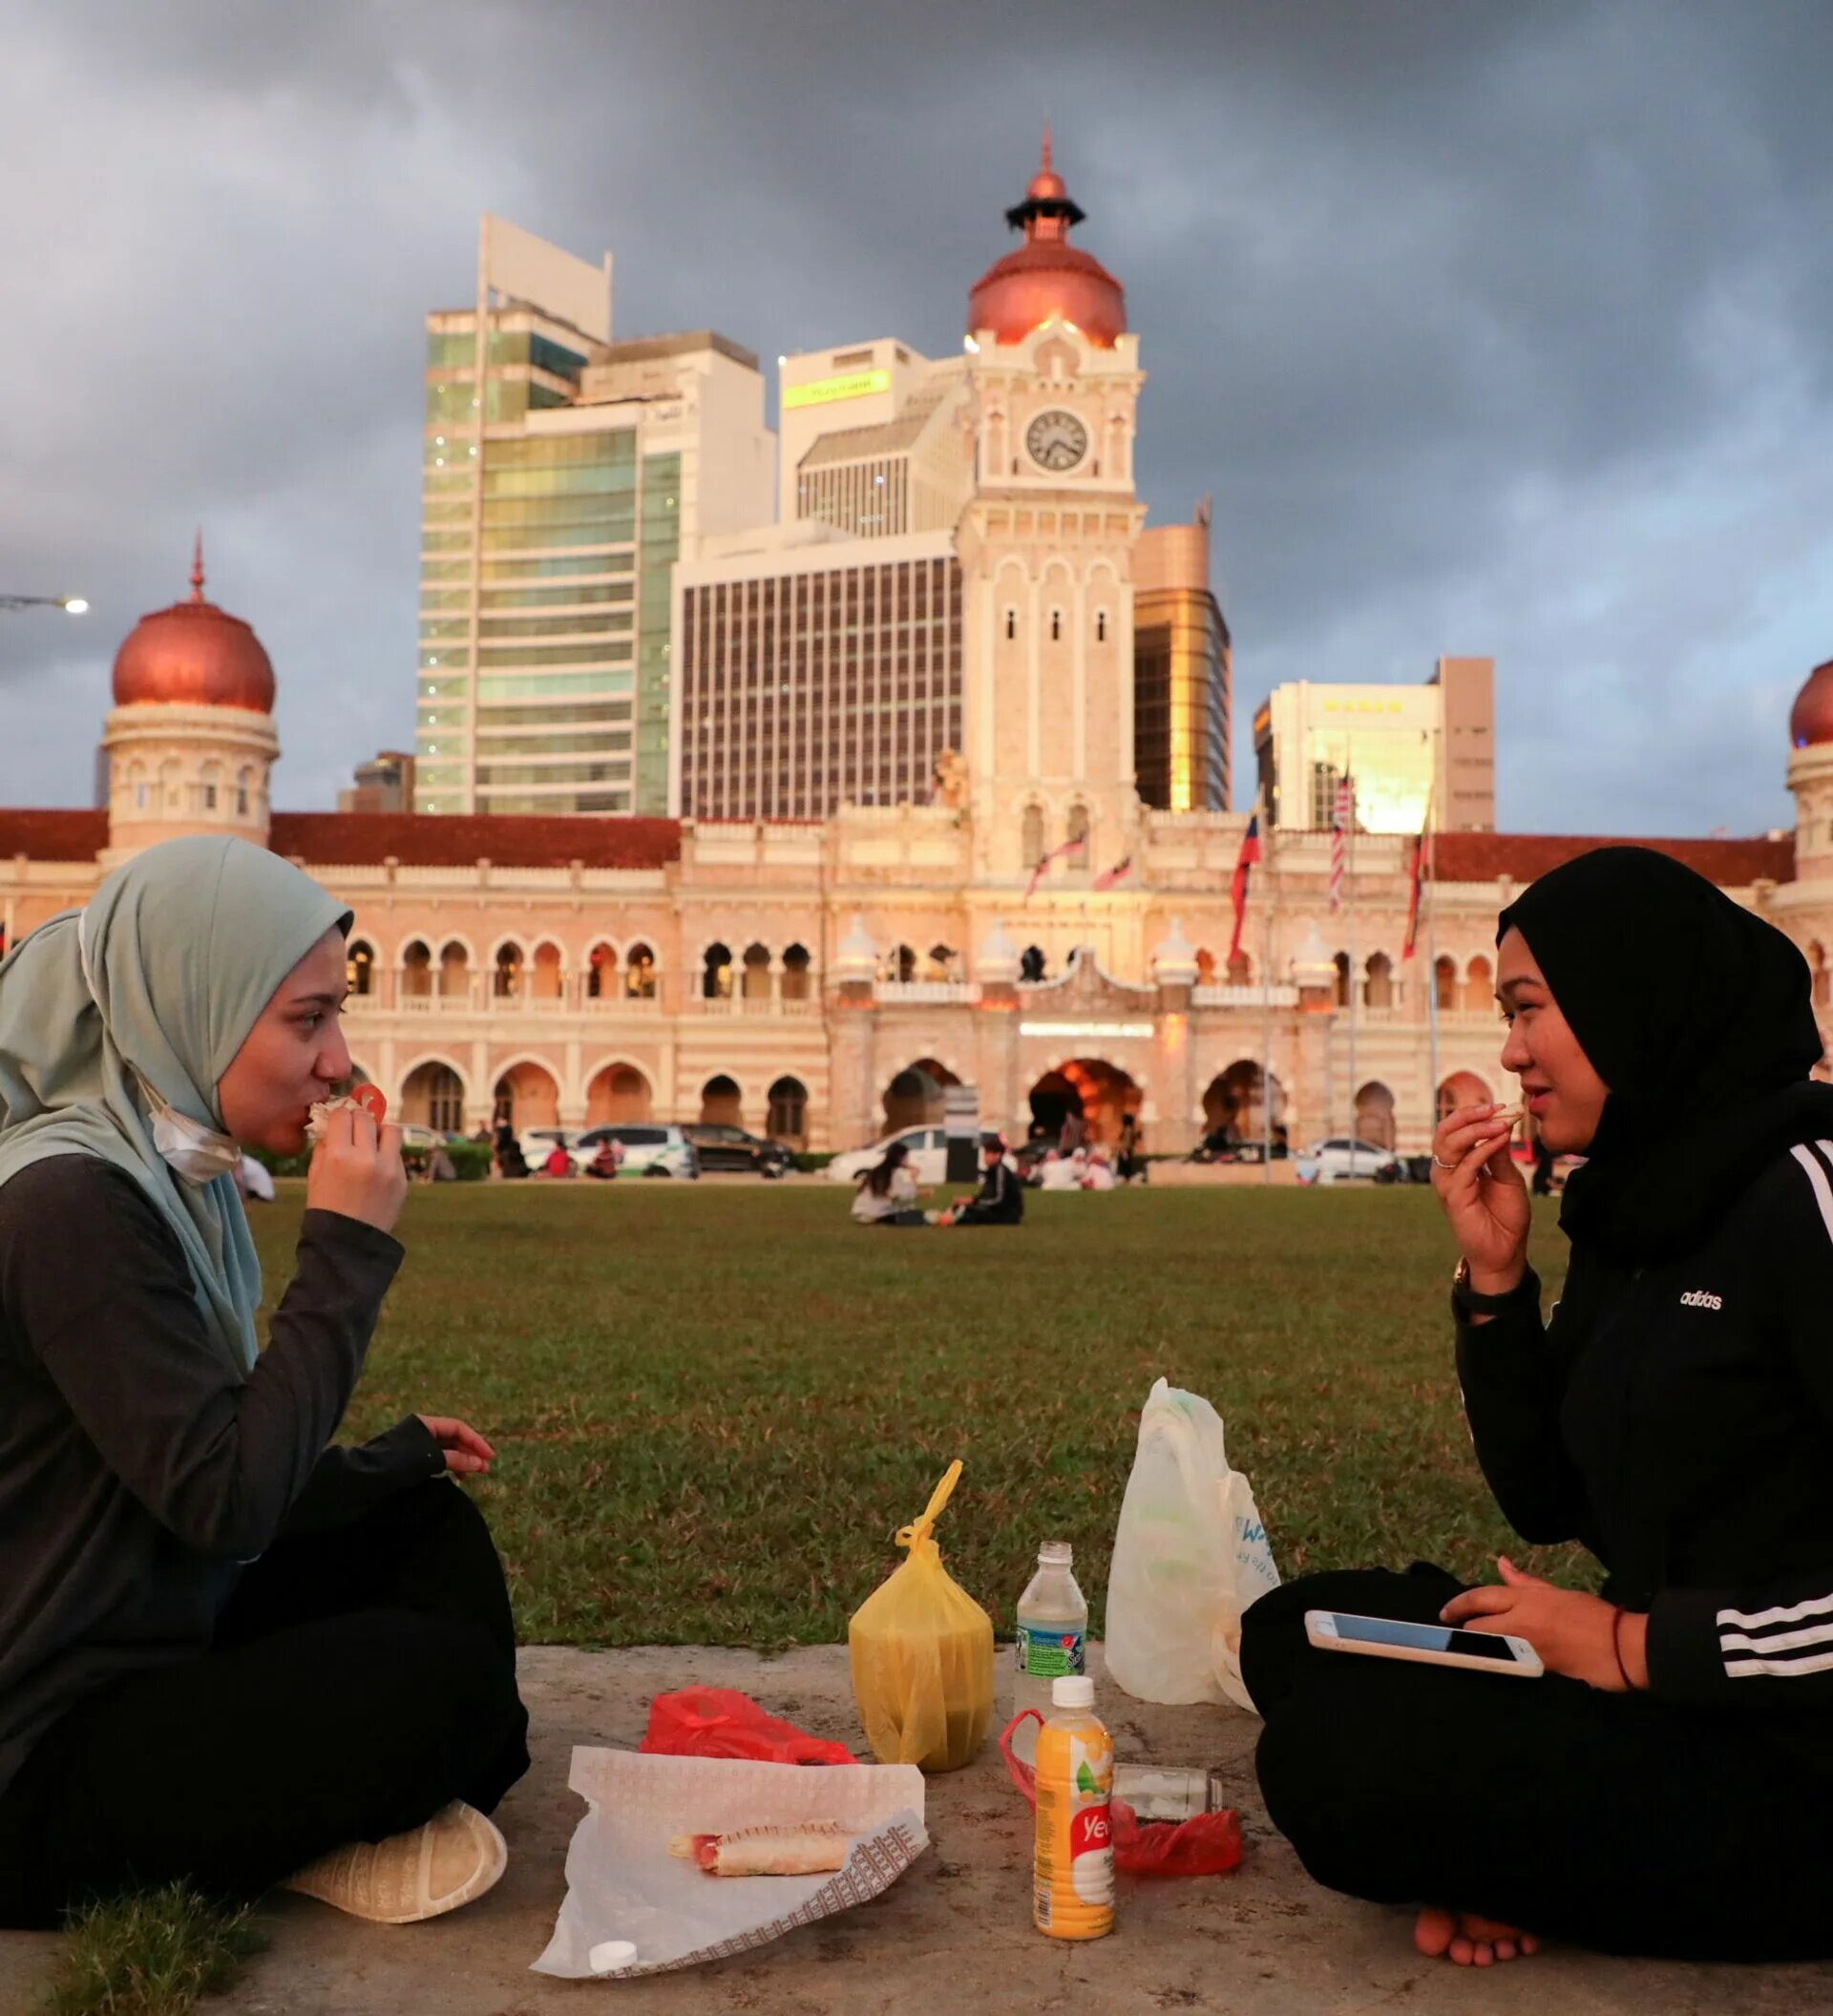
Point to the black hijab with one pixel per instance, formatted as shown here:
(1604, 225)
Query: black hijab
(1699, 1018)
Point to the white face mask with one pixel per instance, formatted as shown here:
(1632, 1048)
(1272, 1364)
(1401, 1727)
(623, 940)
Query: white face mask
(195, 1153)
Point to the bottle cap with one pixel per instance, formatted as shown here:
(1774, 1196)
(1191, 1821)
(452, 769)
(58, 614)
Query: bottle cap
(1072, 1690)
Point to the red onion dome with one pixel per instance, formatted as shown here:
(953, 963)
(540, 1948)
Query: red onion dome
(196, 655)
(1810, 720)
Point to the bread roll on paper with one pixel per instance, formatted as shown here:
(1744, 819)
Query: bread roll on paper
(814, 1848)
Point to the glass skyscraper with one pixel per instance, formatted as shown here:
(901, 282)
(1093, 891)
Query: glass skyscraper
(559, 470)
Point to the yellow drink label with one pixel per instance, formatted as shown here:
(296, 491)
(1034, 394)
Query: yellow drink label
(1073, 1886)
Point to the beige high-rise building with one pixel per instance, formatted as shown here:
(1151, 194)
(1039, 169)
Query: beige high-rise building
(562, 474)
(1182, 671)
(1406, 746)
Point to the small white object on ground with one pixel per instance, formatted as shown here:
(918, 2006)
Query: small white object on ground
(611, 1953)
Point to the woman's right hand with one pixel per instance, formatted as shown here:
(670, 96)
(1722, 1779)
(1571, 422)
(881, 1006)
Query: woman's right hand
(1483, 1196)
(357, 1170)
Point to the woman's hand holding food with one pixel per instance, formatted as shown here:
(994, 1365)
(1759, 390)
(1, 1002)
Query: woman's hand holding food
(1483, 1194)
(467, 1453)
(357, 1170)
(1575, 1634)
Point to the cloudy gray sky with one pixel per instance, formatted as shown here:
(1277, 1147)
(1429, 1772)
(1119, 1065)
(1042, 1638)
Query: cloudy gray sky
(1492, 328)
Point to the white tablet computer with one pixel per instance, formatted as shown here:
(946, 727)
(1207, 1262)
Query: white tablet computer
(1427, 1643)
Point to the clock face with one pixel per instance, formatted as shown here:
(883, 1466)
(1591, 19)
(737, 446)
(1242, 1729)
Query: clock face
(1057, 440)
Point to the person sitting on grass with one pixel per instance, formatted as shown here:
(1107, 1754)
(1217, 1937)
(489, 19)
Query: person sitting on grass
(887, 1192)
(1664, 1790)
(558, 1163)
(231, 1652)
(604, 1164)
(1000, 1199)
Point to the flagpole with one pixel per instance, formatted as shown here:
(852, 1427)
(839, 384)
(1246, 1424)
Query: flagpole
(1426, 867)
(1355, 978)
(1266, 1009)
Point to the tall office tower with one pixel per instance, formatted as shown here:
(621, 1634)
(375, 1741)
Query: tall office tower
(563, 472)
(874, 440)
(1405, 746)
(1183, 666)
(815, 670)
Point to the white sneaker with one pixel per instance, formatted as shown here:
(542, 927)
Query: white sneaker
(455, 1857)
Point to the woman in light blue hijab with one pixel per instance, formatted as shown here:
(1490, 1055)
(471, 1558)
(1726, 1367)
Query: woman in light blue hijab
(230, 1651)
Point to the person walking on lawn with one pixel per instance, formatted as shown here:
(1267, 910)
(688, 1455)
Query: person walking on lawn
(231, 1652)
(1664, 1790)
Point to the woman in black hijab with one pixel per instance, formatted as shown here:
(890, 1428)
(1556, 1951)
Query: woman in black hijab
(1666, 1788)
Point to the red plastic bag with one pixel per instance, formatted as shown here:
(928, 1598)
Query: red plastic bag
(721, 1722)
(1206, 1844)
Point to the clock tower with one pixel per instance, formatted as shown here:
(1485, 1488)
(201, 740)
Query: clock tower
(1046, 546)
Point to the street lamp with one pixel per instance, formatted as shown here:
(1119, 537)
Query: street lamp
(72, 604)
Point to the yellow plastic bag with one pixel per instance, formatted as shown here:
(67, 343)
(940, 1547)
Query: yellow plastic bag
(922, 1657)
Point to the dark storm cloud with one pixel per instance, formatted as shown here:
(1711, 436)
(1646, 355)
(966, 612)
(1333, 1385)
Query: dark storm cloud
(1490, 329)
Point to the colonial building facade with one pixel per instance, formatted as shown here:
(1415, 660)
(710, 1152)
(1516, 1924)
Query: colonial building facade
(1032, 929)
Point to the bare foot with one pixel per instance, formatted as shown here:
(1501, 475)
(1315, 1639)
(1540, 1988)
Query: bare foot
(1470, 1940)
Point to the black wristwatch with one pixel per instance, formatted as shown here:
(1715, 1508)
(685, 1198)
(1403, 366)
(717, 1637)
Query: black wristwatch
(1465, 1301)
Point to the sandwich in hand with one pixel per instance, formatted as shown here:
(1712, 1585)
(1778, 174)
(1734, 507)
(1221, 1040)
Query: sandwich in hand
(371, 1099)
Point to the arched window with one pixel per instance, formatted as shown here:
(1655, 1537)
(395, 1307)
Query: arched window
(601, 972)
(359, 967)
(1378, 990)
(1031, 965)
(639, 973)
(241, 793)
(941, 963)
(1342, 979)
(788, 1111)
(1374, 1116)
(1079, 835)
(619, 1092)
(1205, 967)
(417, 969)
(1056, 626)
(1011, 624)
(1822, 980)
(1462, 1088)
(721, 1103)
(716, 978)
(1478, 986)
(434, 1097)
(508, 981)
(547, 982)
(795, 973)
(455, 970)
(1445, 981)
(900, 965)
(1101, 626)
(757, 973)
(1031, 836)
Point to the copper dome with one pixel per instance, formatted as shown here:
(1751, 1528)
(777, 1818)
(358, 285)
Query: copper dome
(1810, 719)
(196, 655)
(1047, 277)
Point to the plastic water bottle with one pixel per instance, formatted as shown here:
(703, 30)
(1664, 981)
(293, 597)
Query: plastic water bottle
(1052, 1634)
(1072, 1889)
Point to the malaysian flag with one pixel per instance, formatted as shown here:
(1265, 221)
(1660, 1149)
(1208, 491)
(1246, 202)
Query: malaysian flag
(1340, 817)
(1239, 883)
(1421, 868)
(1121, 870)
(1069, 847)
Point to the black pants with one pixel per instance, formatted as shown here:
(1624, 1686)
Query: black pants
(1616, 1821)
(361, 1680)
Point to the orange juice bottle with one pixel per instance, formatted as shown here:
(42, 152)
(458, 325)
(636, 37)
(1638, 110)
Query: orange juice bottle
(1072, 1892)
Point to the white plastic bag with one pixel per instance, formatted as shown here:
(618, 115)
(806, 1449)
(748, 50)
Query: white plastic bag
(1190, 1555)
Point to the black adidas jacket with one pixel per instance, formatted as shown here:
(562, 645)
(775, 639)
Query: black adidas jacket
(1678, 1421)
(1000, 1199)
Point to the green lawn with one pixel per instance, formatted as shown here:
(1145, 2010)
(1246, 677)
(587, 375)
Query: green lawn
(713, 1406)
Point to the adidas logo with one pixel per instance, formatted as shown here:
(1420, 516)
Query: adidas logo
(1699, 1298)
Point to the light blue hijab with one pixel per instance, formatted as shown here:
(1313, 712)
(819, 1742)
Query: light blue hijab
(117, 1023)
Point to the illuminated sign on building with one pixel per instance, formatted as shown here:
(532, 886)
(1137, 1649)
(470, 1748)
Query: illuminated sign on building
(1088, 1029)
(824, 392)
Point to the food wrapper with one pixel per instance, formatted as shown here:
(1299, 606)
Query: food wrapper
(623, 1885)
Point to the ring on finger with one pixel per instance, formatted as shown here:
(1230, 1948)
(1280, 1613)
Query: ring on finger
(1438, 1165)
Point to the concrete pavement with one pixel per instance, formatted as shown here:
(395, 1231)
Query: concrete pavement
(954, 1935)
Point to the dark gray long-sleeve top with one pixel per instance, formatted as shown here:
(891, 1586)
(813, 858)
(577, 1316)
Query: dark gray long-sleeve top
(140, 1469)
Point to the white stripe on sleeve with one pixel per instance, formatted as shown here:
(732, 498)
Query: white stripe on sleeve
(1816, 1176)
(1791, 1613)
(1776, 1641)
(1777, 1668)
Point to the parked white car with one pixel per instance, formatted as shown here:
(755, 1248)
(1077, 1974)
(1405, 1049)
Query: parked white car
(1341, 1160)
(650, 1148)
(928, 1156)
